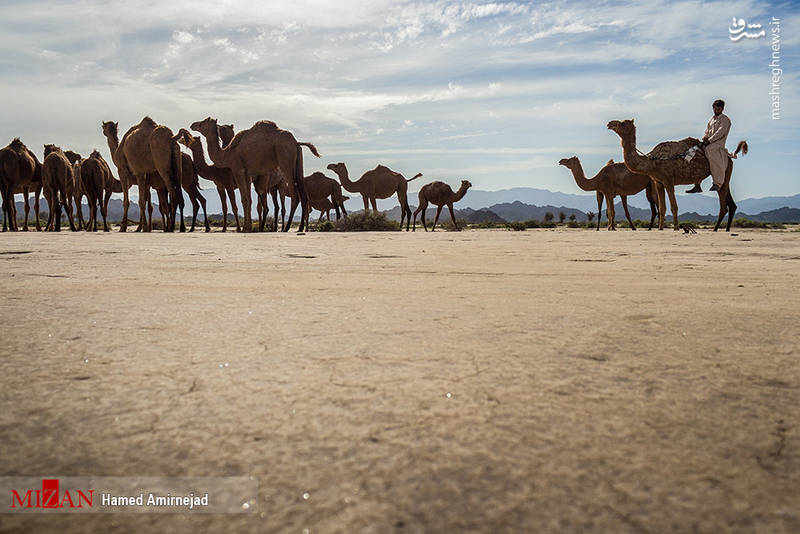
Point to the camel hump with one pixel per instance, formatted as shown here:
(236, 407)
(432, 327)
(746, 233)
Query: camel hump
(669, 149)
(16, 144)
(269, 125)
(609, 162)
(147, 121)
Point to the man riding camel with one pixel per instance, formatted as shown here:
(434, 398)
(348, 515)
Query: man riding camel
(714, 144)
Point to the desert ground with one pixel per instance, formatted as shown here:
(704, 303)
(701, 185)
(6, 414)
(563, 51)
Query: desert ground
(482, 381)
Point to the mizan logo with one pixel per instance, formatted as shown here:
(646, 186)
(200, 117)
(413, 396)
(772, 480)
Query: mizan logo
(50, 497)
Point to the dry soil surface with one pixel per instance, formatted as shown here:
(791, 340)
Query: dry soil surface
(482, 381)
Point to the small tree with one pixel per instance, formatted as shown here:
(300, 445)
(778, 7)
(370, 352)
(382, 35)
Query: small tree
(548, 216)
(590, 216)
(572, 217)
(561, 216)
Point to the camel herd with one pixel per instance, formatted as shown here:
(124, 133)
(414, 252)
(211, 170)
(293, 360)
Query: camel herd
(264, 157)
(270, 160)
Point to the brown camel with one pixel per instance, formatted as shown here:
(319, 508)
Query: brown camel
(20, 172)
(670, 171)
(191, 184)
(325, 206)
(221, 176)
(380, 182)
(126, 179)
(150, 152)
(76, 193)
(612, 180)
(439, 194)
(58, 183)
(318, 188)
(95, 183)
(256, 152)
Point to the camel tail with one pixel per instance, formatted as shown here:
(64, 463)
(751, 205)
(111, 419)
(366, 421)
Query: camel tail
(418, 175)
(311, 147)
(742, 146)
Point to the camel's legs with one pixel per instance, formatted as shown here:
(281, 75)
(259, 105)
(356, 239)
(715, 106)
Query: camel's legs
(422, 206)
(436, 219)
(275, 205)
(662, 204)
(649, 192)
(223, 200)
(195, 209)
(625, 207)
(144, 192)
(599, 209)
(27, 209)
(726, 203)
(610, 212)
(125, 203)
(247, 201)
(453, 217)
(673, 204)
(104, 209)
(36, 194)
(234, 207)
(78, 201)
(67, 203)
(374, 203)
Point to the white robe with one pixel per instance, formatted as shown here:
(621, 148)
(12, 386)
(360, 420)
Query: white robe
(716, 134)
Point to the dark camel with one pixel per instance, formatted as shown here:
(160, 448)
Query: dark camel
(221, 176)
(20, 172)
(439, 194)
(380, 182)
(58, 183)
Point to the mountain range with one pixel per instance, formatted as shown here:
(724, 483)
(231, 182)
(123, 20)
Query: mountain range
(526, 203)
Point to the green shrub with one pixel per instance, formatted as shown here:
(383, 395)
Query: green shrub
(517, 226)
(366, 222)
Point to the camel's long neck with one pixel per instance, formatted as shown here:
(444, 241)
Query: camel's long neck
(633, 160)
(113, 143)
(214, 150)
(580, 179)
(460, 194)
(344, 178)
(199, 158)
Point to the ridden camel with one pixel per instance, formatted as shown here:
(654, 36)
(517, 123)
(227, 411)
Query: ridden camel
(380, 182)
(20, 172)
(256, 152)
(670, 171)
(150, 152)
(222, 177)
(439, 194)
(126, 179)
(58, 183)
(612, 180)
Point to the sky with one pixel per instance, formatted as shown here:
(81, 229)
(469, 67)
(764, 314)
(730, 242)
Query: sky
(495, 93)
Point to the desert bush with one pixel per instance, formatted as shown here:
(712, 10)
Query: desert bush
(747, 223)
(517, 226)
(324, 226)
(366, 222)
(448, 225)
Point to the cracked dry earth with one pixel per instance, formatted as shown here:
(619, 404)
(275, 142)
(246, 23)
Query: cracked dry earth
(485, 381)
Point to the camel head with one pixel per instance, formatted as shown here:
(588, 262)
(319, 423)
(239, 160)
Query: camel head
(187, 139)
(622, 128)
(110, 128)
(570, 163)
(226, 133)
(50, 148)
(338, 168)
(73, 157)
(465, 184)
(205, 126)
